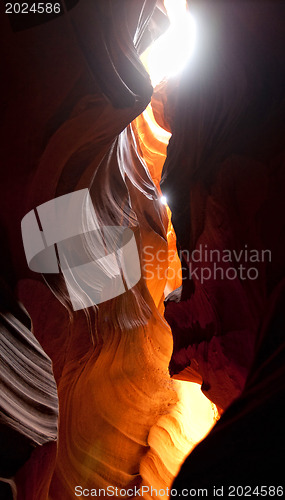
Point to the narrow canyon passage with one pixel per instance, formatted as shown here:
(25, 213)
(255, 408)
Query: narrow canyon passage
(142, 257)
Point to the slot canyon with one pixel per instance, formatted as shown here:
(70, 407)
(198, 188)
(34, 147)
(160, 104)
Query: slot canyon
(168, 375)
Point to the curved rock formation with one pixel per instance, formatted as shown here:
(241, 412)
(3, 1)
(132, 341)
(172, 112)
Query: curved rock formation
(110, 361)
(75, 91)
(29, 405)
(226, 161)
(248, 441)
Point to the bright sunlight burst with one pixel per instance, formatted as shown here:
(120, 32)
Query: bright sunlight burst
(169, 54)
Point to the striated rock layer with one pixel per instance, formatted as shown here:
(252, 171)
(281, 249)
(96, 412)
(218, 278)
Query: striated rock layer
(29, 404)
